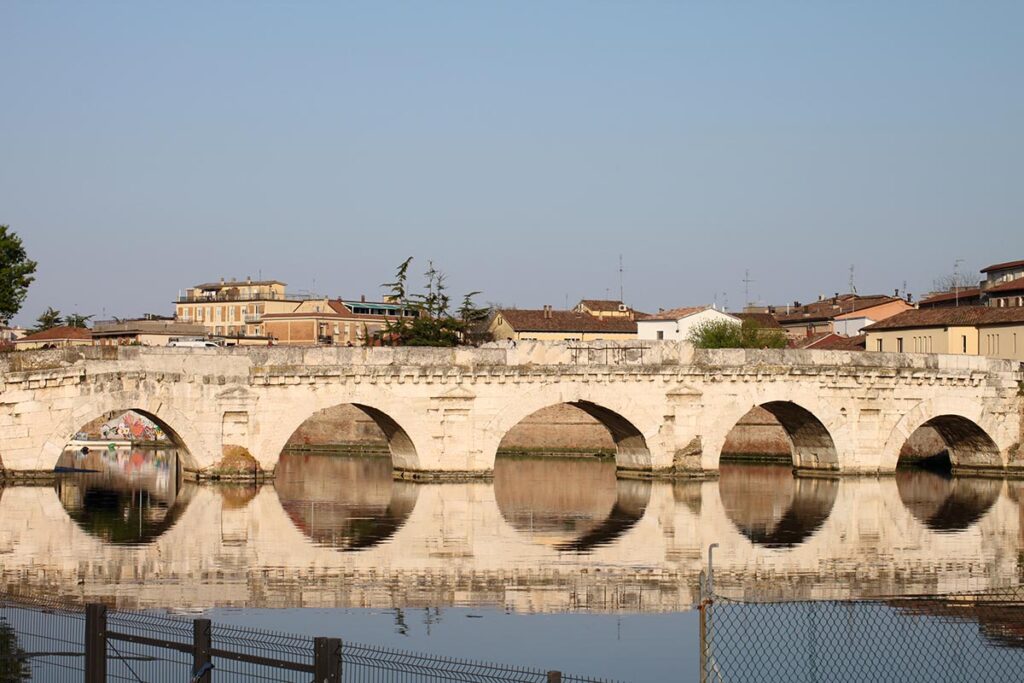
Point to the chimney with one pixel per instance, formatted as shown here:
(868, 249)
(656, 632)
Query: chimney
(821, 297)
(222, 280)
(547, 312)
(362, 298)
(796, 304)
(248, 279)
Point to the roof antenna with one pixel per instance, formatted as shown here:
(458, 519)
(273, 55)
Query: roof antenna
(746, 286)
(853, 287)
(622, 299)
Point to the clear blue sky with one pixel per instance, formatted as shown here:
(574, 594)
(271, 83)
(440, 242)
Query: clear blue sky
(145, 147)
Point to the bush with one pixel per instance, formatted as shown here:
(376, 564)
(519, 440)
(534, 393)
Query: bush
(724, 334)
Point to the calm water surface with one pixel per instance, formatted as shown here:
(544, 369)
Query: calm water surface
(556, 563)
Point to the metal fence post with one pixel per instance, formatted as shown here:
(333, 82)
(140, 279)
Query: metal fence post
(554, 677)
(702, 654)
(327, 660)
(202, 644)
(95, 643)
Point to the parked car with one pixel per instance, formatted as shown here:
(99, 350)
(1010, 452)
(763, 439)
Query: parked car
(194, 343)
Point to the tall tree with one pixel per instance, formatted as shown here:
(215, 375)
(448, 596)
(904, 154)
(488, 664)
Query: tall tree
(49, 319)
(16, 274)
(77, 320)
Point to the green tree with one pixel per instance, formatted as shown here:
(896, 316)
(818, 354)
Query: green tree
(49, 319)
(77, 320)
(16, 274)
(724, 334)
(13, 662)
(433, 324)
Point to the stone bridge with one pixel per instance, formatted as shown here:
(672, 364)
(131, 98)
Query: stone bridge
(668, 407)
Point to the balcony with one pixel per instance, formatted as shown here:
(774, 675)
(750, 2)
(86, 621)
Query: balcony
(250, 318)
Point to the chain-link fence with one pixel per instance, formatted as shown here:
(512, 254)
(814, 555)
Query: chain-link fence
(957, 637)
(49, 640)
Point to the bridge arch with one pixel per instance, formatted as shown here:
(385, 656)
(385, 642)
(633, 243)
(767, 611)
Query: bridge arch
(964, 426)
(196, 452)
(809, 425)
(634, 431)
(395, 418)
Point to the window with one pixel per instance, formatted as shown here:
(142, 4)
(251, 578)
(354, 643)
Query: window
(661, 334)
(878, 343)
(963, 343)
(899, 344)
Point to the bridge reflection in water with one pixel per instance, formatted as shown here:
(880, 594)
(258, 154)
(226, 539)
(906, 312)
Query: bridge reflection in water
(547, 534)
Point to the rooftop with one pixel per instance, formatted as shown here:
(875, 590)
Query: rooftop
(238, 283)
(1011, 286)
(958, 316)
(677, 313)
(550, 320)
(1003, 266)
(965, 294)
(57, 334)
(828, 309)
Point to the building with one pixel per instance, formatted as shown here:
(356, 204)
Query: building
(963, 330)
(144, 331)
(1002, 287)
(844, 314)
(830, 341)
(333, 321)
(235, 309)
(969, 296)
(548, 324)
(678, 323)
(606, 308)
(55, 338)
(10, 334)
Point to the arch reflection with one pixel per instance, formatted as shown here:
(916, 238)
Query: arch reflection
(572, 504)
(772, 507)
(943, 503)
(347, 503)
(124, 496)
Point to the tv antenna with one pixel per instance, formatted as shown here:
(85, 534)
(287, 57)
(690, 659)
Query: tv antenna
(956, 280)
(622, 299)
(853, 287)
(746, 286)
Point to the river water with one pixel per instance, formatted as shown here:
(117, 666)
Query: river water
(555, 563)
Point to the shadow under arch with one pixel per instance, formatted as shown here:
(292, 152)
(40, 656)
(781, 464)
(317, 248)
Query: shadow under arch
(571, 504)
(946, 504)
(967, 445)
(811, 445)
(628, 442)
(338, 427)
(346, 503)
(772, 507)
(133, 496)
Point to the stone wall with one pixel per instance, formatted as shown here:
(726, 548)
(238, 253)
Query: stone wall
(757, 435)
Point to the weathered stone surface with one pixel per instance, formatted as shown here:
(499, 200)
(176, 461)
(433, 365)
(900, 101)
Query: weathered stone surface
(447, 410)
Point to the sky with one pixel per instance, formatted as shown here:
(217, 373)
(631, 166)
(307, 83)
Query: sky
(522, 147)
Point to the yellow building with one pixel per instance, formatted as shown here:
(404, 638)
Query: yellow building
(234, 308)
(964, 330)
(605, 308)
(143, 332)
(548, 324)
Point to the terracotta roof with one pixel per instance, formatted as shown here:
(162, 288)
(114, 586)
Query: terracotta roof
(764, 320)
(1011, 286)
(963, 295)
(538, 320)
(1004, 266)
(828, 309)
(677, 313)
(600, 304)
(58, 333)
(946, 316)
(833, 342)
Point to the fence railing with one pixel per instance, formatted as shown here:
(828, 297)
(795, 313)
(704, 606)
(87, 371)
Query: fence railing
(47, 639)
(951, 637)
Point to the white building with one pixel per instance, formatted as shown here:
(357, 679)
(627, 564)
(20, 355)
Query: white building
(677, 323)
